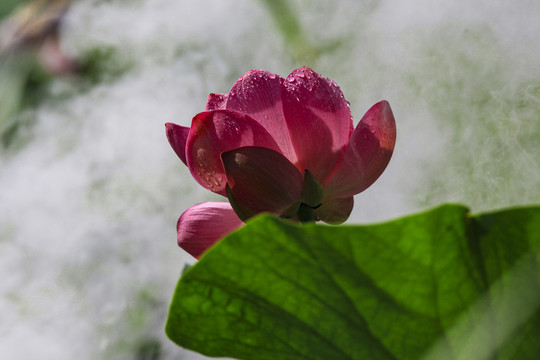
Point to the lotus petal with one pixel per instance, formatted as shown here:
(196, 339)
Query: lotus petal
(202, 225)
(319, 121)
(258, 94)
(368, 153)
(177, 136)
(262, 179)
(214, 132)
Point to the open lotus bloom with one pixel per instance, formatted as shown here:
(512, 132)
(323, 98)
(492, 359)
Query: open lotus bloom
(285, 146)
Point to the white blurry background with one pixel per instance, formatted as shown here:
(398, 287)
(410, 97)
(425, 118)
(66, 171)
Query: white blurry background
(89, 202)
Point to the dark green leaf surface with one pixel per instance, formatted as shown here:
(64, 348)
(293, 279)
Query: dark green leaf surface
(438, 285)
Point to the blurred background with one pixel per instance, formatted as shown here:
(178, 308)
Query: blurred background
(90, 190)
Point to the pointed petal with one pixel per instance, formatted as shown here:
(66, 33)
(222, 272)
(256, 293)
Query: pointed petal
(214, 132)
(202, 225)
(318, 119)
(215, 102)
(262, 179)
(177, 136)
(368, 153)
(312, 190)
(335, 211)
(258, 94)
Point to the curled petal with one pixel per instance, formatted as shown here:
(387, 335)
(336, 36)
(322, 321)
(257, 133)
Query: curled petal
(319, 120)
(215, 102)
(214, 132)
(258, 94)
(202, 225)
(369, 151)
(335, 211)
(177, 136)
(262, 179)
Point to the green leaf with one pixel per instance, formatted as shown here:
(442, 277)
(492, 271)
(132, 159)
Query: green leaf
(7, 6)
(288, 24)
(437, 285)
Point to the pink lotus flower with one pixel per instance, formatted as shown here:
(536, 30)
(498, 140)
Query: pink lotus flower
(283, 146)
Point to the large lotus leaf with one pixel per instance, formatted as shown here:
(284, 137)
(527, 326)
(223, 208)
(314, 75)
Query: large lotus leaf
(438, 285)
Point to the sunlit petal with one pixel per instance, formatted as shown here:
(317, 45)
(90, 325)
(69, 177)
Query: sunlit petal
(368, 153)
(319, 120)
(258, 94)
(215, 102)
